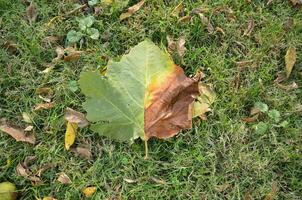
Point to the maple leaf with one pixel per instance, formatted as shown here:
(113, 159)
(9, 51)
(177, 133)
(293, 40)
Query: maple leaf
(144, 95)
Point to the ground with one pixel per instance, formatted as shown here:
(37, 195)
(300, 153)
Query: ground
(220, 158)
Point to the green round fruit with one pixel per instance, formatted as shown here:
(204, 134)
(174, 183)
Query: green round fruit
(7, 191)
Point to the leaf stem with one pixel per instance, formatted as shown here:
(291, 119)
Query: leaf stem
(146, 149)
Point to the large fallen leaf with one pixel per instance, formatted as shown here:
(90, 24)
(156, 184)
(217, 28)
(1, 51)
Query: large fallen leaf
(290, 59)
(144, 95)
(17, 133)
(70, 134)
(131, 10)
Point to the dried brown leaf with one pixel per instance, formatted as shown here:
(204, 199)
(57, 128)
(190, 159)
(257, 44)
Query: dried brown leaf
(131, 10)
(185, 19)
(44, 168)
(281, 76)
(44, 106)
(72, 54)
(45, 92)
(76, 117)
(290, 60)
(296, 2)
(171, 44)
(11, 47)
(220, 30)
(60, 53)
(31, 12)
(289, 87)
(250, 119)
(17, 133)
(250, 28)
(288, 24)
(180, 46)
(22, 171)
(84, 152)
(63, 178)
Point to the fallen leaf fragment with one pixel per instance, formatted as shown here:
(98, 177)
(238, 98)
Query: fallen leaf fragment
(281, 76)
(131, 10)
(26, 117)
(70, 134)
(48, 198)
(69, 54)
(72, 54)
(128, 180)
(185, 19)
(63, 178)
(177, 10)
(44, 106)
(206, 22)
(220, 30)
(76, 117)
(250, 28)
(158, 181)
(45, 91)
(17, 133)
(296, 2)
(44, 168)
(290, 60)
(31, 12)
(22, 170)
(289, 87)
(178, 45)
(251, 119)
(89, 191)
(84, 152)
(11, 47)
(29, 128)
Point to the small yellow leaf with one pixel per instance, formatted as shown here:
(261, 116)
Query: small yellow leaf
(290, 59)
(89, 191)
(70, 134)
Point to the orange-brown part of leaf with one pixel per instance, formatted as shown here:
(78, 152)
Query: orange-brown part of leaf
(171, 105)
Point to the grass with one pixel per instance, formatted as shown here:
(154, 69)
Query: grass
(222, 158)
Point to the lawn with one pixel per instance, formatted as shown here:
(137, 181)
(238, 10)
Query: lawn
(222, 157)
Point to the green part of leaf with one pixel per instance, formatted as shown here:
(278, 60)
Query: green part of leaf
(261, 106)
(73, 86)
(93, 33)
(274, 115)
(261, 128)
(86, 22)
(73, 36)
(92, 2)
(115, 102)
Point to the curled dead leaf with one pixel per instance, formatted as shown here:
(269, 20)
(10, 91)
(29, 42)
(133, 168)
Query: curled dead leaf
(219, 30)
(290, 60)
(128, 180)
(44, 106)
(76, 117)
(31, 12)
(89, 191)
(17, 133)
(250, 28)
(131, 10)
(185, 19)
(22, 170)
(63, 178)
